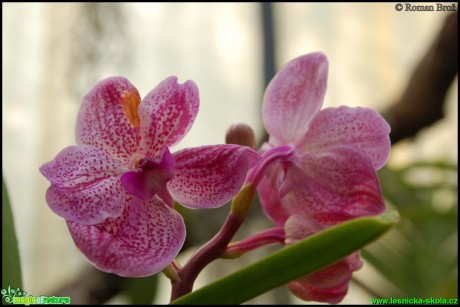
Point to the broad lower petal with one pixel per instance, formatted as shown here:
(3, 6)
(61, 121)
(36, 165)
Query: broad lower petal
(141, 242)
(360, 127)
(293, 97)
(209, 176)
(108, 118)
(340, 181)
(167, 114)
(85, 186)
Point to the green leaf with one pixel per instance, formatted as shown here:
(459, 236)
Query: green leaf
(142, 290)
(292, 262)
(11, 267)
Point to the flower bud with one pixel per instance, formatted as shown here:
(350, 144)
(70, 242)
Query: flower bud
(241, 134)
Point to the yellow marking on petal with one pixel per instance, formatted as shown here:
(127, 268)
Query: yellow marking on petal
(136, 162)
(130, 100)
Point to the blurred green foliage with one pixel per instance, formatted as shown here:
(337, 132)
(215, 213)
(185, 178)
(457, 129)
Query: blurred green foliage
(141, 291)
(11, 266)
(420, 255)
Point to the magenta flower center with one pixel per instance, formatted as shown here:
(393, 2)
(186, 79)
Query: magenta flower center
(147, 164)
(150, 177)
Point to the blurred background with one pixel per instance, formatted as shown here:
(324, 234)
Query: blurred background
(54, 53)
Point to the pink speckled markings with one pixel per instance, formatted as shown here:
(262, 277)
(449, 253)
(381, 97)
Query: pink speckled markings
(117, 187)
(331, 175)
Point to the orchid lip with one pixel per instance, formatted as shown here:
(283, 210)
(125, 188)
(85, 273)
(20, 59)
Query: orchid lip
(150, 178)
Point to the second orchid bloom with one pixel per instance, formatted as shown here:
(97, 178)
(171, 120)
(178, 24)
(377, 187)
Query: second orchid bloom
(331, 175)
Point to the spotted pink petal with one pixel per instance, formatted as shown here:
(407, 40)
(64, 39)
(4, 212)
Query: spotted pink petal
(360, 127)
(341, 180)
(85, 185)
(209, 176)
(167, 114)
(108, 118)
(141, 242)
(293, 97)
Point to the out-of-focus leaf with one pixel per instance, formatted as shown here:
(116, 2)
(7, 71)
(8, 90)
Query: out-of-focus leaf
(11, 266)
(292, 262)
(142, 290)
(420, 255)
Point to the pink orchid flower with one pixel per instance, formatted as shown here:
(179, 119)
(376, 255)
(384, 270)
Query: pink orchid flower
(116, 188)
(336, 154)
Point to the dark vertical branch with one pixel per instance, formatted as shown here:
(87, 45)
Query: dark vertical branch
(269, 42)
(269, 49)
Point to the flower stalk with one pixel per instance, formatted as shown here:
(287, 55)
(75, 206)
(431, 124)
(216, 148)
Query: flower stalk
(266, 237)
(216, 247)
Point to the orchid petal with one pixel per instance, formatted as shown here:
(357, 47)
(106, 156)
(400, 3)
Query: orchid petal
(167, 114)
(299, 227)
(341, 180)
(331, 295)
(329, 284)
(270, 202)
(293, 97)
(141, 242)
(85, 185)
(209, 176)
(360, 127)
(108, 118)
(330, 276)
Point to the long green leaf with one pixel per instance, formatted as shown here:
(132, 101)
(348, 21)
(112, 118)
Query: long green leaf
(11, 267)
(292, 262)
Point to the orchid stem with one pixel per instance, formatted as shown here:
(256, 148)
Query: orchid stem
(215, 247)
(266, 237)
